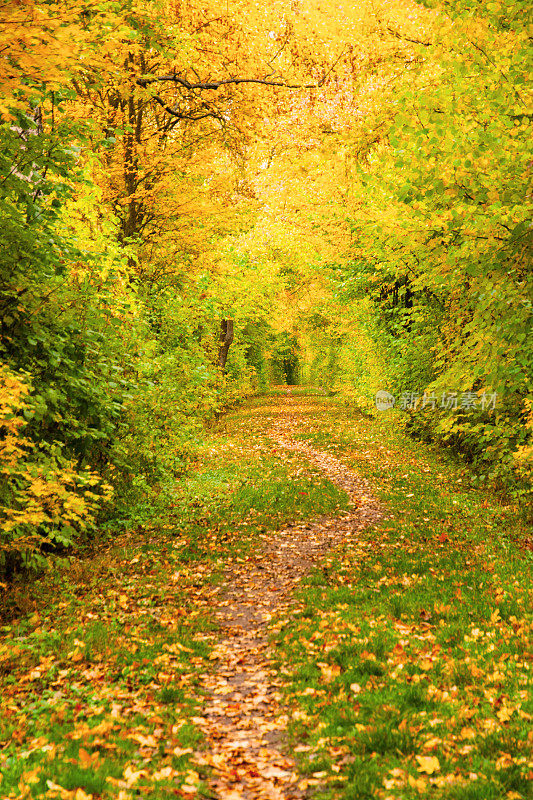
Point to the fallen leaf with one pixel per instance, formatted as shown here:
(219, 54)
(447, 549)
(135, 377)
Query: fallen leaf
(31, 776)
(166, 772)
(81, 795)
(329, 672)
(144, 741)
(182, 751)
(430, 744)
(87, 760)
(504, 761)
(417, 783)
(131, 776)
(428, 764)
(54, 789)
(504, 714)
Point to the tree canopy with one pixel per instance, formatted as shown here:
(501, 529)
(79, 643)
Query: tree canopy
(347, 188)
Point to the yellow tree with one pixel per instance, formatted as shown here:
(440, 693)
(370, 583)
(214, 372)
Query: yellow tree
(39, 44)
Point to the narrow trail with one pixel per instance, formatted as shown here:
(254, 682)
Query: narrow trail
(243, 720)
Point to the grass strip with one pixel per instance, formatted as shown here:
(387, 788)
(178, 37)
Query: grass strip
(406, 657)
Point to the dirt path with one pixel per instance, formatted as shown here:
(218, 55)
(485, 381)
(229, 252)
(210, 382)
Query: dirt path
(243, 720)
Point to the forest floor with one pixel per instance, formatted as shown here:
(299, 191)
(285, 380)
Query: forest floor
(324, 609)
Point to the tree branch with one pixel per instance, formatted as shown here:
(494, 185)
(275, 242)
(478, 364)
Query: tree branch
(144, 82)
(404, 38)
(181, 114)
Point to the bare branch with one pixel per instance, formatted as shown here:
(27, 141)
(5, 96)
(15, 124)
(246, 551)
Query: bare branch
(144, 82)
(404, 38)
(181, 114)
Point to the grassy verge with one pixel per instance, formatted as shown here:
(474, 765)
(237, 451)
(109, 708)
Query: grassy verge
(100, 660)
(406, 655)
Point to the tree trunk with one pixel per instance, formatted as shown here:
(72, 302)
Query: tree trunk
(226, 338)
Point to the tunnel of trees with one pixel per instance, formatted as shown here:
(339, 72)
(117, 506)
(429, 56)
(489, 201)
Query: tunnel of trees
(197, 203)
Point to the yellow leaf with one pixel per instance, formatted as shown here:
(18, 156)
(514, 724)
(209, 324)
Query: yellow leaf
(329, 672)
(181, 751)
(476, 672)
(166, 772)
(192, 779)
(398, 773)
(131, 776)
(505, 714)
(54, 789)
(81, 795)
(431, 743)
(504, 761)
(417, 783)
(31, 776)
(103, 727)
(144, 741)
(428, 764)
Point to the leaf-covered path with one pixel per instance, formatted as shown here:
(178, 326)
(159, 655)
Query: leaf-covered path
(243, 721)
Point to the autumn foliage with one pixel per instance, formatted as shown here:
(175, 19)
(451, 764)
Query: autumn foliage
(46, 501)
(349, 185)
